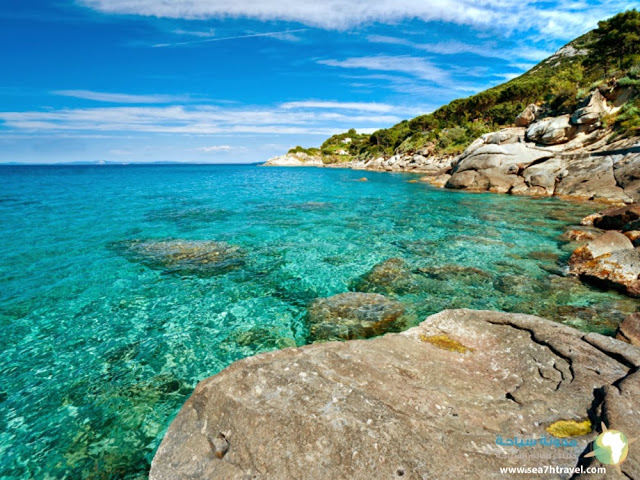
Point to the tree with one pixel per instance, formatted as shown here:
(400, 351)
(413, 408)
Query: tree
(617, 38)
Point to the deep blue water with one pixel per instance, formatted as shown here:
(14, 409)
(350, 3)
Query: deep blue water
(100, 349)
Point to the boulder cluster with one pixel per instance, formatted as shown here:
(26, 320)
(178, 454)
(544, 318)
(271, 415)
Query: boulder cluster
(567, 156)
(611, 255)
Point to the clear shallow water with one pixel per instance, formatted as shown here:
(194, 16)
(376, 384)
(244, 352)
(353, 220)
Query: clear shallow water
(99, 352)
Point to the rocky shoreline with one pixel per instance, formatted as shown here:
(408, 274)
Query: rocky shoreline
(436, 400)
(569, 156)
(432, 402)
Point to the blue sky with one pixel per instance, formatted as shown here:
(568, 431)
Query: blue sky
(240, 81)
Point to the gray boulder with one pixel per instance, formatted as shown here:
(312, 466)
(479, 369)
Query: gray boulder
(629, 330)
(626, 169)
(528, 116)
(592, 109)
(551, 131)
(436, 401)
(590, 178)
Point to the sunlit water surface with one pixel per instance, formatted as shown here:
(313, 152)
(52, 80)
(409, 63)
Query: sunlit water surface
(99, 351)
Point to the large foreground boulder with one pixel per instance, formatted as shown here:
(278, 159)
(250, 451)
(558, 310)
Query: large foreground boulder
(438, 401)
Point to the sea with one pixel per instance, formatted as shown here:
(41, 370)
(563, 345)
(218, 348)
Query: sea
(101, 344)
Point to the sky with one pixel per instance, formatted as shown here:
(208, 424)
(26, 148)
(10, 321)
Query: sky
(226, 81)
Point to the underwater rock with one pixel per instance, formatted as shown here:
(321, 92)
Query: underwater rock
(456, 274)
(352, 315)
(185, 257)
(434, 401)
(392, 276)
(258, 339)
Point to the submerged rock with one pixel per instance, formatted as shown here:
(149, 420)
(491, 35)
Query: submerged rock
(185, 257)
(431, 402)
(393, 276)
(456, 274)
(352, 315)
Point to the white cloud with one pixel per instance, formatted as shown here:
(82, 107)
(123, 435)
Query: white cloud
(414, 66)
(197, 33)
(454, 47)
(561, 19)
(358, 106)
(201, 119)
(215, 148)
(285, 35)
(118, 97)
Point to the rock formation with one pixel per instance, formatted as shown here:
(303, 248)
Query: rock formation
(568, 155)
(439, 401)
(298, 159)
(610, 259)
(629, 330)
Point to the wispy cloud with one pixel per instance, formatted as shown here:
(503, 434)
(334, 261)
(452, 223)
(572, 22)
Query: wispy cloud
(292, 118)
(196, 33)
(358, 106)
(215, 148)
(454, 47)
(414, 66)
(560, 19)
(119, 97)
(282, 35)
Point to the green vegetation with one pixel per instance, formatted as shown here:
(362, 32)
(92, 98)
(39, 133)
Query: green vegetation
(595, 60)
(309, 151)
(349, 142)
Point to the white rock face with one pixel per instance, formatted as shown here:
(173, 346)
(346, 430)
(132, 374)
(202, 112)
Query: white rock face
(551, 131)
(294, 160)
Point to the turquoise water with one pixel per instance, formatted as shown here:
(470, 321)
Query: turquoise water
(101, 347)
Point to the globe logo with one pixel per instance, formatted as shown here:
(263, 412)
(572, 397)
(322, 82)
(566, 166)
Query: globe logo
(611, 447)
